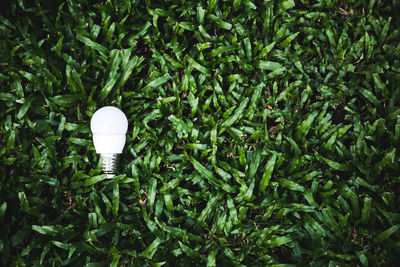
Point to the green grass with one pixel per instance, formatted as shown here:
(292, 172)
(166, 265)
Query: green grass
(260, 133)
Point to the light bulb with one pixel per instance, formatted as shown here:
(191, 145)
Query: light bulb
(109, 126)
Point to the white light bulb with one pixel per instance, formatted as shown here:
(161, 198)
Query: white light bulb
(109, 126)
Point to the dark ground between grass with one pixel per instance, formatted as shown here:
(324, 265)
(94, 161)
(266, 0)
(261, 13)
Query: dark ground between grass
(260, 133)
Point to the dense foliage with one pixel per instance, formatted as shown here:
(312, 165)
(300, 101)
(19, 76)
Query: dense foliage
(260, 132)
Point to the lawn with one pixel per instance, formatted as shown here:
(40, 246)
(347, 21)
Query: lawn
(261, 133)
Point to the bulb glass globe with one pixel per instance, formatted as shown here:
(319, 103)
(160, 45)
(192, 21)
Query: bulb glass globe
(109, 126)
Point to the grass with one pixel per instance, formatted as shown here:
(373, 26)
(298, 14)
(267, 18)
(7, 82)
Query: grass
(260, 133)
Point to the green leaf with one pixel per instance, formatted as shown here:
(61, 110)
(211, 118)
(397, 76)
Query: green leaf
(336, 165)
(95, 179)
(220, 50)
(115, 260)
(238, 113)
(24, 108)
(366, 211)
(291, 185)
(305, 126)
(285, 5)
(52, 230)
(129, 67)
(152, 248)
(44, 252)
(289, 39)
(278, 241)
(3, 209)
(369, 96)
(362, 257)
(269, 168)
(219, 22)
(7, 97)
(188, 250)
(386, 234)
(115, 199)
(152, 192)
(211, 261)
(66, 100)
(210, 205)
(108, 87)
(277, 72)
(92, 44)
(268, 65)
(159, 81)
(196, 65)
(254, 163)
(204, 172)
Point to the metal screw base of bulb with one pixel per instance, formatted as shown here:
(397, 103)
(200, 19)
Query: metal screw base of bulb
(109, 164)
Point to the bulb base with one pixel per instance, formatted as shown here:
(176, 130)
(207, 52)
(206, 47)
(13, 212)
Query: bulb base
(109, 162)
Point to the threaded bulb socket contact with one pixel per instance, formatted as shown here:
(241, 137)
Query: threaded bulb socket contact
(109, 164)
